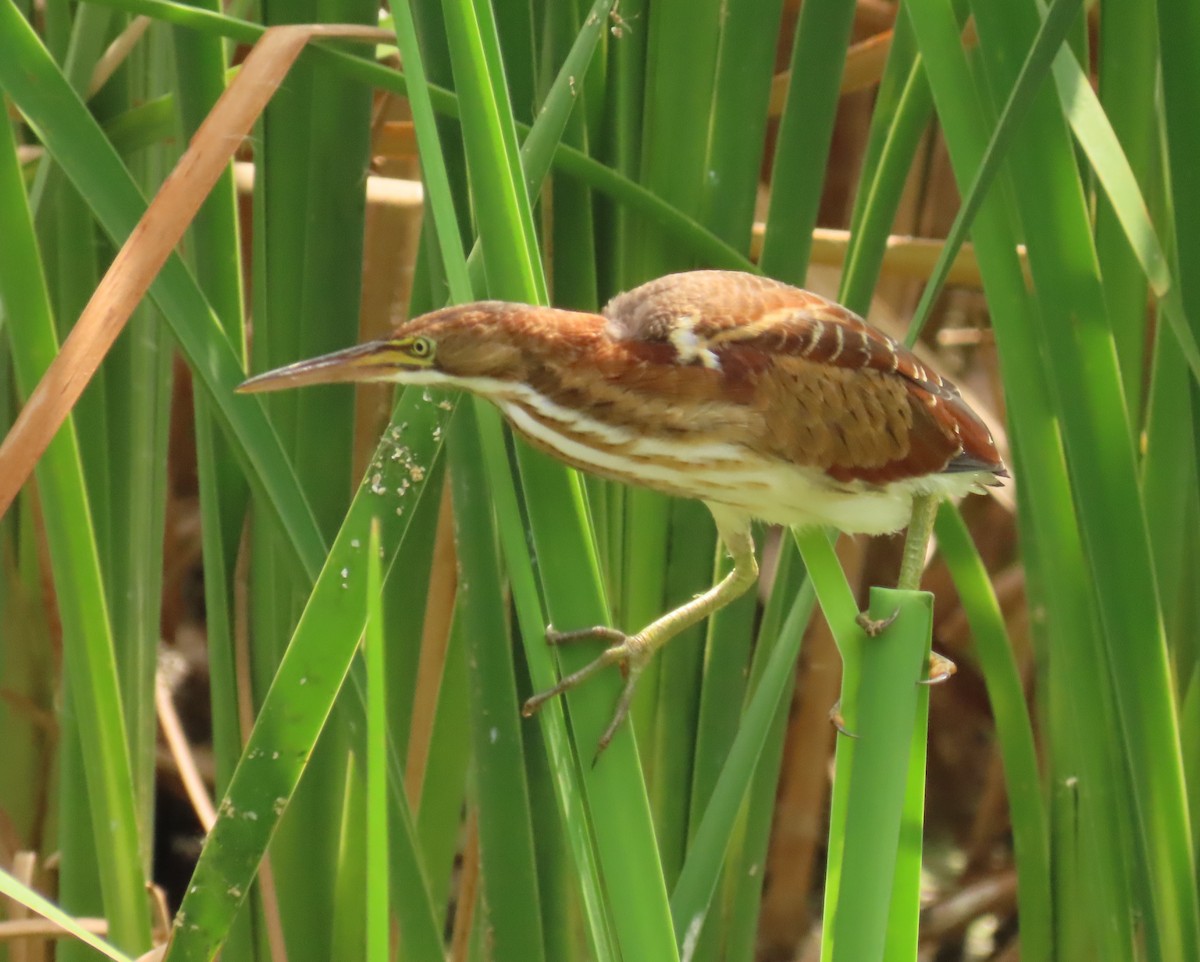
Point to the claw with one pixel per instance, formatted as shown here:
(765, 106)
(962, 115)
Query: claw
(610, 656)
(835, 717)
(940, 669)
(633, 652)
(624, 703)
(874, 627)
(628, 652)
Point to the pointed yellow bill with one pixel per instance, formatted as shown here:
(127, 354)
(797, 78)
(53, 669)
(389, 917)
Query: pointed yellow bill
(373, 361)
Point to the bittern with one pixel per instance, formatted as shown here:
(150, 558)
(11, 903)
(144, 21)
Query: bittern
(760, 399)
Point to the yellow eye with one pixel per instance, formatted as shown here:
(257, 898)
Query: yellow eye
(421, 348)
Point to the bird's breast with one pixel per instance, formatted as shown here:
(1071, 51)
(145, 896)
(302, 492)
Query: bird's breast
(720, 472)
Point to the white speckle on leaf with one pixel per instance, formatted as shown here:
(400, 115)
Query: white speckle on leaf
(687, 951)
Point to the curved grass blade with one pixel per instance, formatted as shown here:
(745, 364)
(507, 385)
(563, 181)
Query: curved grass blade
(805, 132)
(1178, 34)
(1075, 610)
(13, 889)
(378, 930)
(302, 694)
(1037, 64)
(701, 242)
(1099, 442)
(510, 898)
(75, 141)
(1014, 731)
(1095, 135)
(878, 899)
(702, 867)
(837, 604)
(902, 112)
(565, 549)
(82, 606)
(569, 790)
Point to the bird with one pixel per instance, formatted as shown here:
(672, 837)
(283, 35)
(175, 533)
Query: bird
(760, 399)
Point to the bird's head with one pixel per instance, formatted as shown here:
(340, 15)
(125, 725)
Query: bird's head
(487, 339)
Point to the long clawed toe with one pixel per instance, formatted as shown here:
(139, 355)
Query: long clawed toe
(633, 652)
(626, 651)
(838, 721)
(874, 627)
(940, 669)
(596, 633)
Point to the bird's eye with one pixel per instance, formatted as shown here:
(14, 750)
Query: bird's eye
(421, 347)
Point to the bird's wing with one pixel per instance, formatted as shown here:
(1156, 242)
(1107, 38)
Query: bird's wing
(841, 394)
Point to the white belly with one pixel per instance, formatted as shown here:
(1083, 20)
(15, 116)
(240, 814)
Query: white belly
(725, 474)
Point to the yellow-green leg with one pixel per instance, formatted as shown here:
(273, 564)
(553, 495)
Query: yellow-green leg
(633, 652)
(920, 529)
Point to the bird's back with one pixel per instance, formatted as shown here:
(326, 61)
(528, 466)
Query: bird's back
(746, 392)
(833, 392)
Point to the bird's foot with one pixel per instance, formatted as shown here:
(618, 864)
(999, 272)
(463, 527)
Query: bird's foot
(940, 669)
(595, 633)
(630, 652)
(838, 722)
(874, 627)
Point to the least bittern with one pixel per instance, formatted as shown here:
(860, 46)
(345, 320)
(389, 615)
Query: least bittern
(760, 399)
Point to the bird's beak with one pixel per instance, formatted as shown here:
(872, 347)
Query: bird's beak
(373, 361)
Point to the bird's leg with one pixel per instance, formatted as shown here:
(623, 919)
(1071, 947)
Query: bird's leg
(920, 528)
(633, 652)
